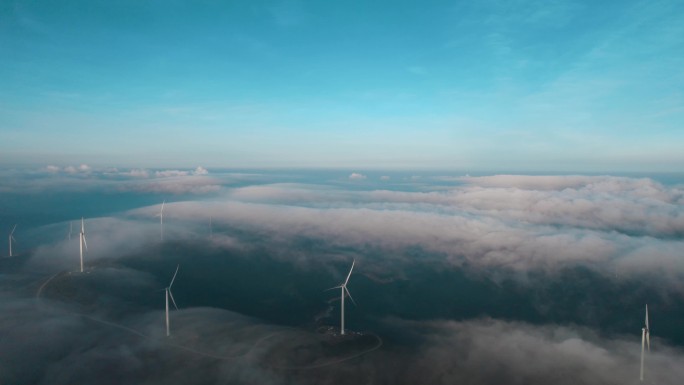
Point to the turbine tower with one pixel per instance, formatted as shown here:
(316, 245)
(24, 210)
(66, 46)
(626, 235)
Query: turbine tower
(645, 340)
(169, 295)
(82, 242)
(161, 219)
(345, 291)
(11, 237)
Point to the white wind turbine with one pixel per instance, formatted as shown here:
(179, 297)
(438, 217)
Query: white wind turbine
(645, 340)
(11, 237)
(82, 242)
(169, 295)
(345, 291)
(161, 219)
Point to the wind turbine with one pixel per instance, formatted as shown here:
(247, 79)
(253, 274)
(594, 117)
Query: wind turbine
(161, 219)
(82, 242)
(645, 339)
(343, 288)
(169, 295)
(11, 237)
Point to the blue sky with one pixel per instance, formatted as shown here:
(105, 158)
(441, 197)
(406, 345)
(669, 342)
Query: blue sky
(498, 85)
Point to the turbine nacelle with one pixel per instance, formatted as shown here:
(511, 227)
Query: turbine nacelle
(168, 291)
(344, 289)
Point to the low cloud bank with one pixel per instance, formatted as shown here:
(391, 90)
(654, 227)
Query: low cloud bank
(631, 206)
(85, 179)
(509, 226)
(459, 239)
(499, 352)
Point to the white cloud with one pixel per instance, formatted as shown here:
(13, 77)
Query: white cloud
(52, 169)
(83, 168)
(632, 206)
(533, 182)
(170, 173)
(593, 224)
(200, 171)
(137, 173)
(606, 222)
(357, 176)
(288, 193)
(173, 173)
(384, 178)
(478, 241)
(177, 185)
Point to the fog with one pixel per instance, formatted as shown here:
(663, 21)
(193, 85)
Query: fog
(480, 280)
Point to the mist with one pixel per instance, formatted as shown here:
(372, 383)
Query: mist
(481, 280)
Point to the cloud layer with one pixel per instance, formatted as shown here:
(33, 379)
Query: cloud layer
(502, 221)
(565, 263)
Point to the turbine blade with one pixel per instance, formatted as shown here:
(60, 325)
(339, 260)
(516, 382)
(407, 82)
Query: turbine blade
(162, 208)
(336, 287)
(14, 239)
(349, 294)
(174, 276)
(350, 271)
(14, 228)
(82, 226)
(646, 316)
(173, 300)
(85, 243)
(648, 340)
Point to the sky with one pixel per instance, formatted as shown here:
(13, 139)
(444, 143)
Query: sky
(516, 85)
